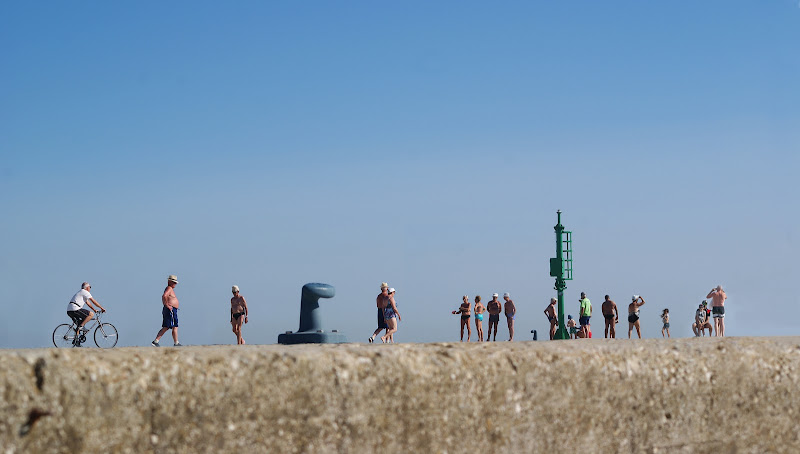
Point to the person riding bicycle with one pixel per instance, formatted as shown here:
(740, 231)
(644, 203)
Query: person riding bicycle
(78, 313)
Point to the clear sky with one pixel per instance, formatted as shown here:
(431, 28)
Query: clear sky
(426, 144)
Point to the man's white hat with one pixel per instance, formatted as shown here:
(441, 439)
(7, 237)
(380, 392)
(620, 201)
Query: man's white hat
(235, 288)
(391, 290)
(506, 295)
(635, 297)
(172, 278)
(494, 295)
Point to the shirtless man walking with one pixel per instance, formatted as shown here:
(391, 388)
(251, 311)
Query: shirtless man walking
(494, 308)
(169, 313)
(611, 314)
(238, 314)
(718, 298)
(510, 311)
(550, 312)
(381, 301)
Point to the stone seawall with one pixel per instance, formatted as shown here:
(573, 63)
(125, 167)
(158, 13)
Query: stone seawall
(687, 395)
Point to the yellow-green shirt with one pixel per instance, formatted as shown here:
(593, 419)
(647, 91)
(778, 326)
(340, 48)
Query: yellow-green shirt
(586, 307)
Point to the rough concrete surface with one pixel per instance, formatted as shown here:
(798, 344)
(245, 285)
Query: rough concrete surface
(733, 395)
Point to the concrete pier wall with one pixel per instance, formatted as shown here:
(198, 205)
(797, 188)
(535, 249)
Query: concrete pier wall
(652, 396)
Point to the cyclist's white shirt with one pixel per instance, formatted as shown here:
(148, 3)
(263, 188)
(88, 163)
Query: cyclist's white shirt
(79, 300)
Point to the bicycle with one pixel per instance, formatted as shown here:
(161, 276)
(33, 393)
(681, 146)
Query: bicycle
(105, 334)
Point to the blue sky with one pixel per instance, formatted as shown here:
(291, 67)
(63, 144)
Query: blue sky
(427, 144)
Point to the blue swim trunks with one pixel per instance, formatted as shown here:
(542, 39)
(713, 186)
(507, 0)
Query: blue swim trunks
(169, 318)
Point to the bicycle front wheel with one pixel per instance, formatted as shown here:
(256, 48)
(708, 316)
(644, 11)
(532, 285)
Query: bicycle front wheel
(105, 335)
(63, 336)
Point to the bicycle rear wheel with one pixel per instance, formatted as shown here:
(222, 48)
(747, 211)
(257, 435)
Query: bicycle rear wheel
(105, 335)
(63, 336)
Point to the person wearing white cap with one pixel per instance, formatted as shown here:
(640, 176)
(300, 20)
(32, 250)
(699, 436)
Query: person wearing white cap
(76, 310)
(493, 307)
(633, 315)
(169, 313)
(238, 314)
(511, 311)
(381, 301)
(392, 316)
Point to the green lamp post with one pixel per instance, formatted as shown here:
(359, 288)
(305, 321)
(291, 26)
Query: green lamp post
(561, 269)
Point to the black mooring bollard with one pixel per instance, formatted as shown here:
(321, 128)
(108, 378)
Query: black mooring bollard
(310, 331)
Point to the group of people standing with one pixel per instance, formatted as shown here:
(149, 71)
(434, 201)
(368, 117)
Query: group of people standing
(703, 317)
(388, 315)
(712, 319)
(493, 307)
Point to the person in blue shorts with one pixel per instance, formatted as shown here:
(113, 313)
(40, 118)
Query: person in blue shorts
(169, 313)
(585, 314)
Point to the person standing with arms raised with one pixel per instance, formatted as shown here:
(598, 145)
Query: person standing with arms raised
(633, 315)
(169, 313)
(718, 298)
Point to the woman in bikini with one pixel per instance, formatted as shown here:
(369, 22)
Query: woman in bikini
(479, 310)
(633, 315)
(464, 310)
(665, 319)
(392, 316)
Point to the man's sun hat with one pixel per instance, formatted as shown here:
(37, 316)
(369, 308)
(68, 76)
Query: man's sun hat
(506, 295)
(384, 285)
(635, 297)
(391, 290)
(172, 278)
(494, 295)
(235, 288)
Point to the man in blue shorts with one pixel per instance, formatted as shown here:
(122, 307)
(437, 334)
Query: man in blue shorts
(585, 315)
(78, 313)
(169, 313)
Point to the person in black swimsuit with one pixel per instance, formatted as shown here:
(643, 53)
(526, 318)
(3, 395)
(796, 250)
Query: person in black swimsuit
(611, 314)
(238, 314)
(464, 310)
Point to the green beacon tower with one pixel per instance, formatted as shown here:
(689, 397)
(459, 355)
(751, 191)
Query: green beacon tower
(561, 269)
